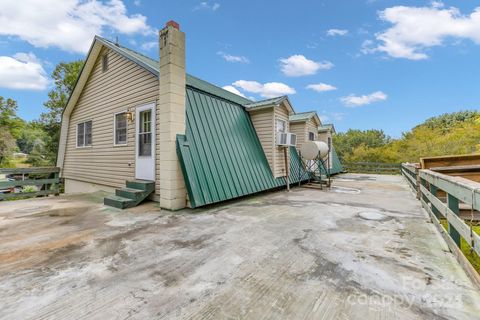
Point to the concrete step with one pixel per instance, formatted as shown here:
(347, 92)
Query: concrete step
(118, 202)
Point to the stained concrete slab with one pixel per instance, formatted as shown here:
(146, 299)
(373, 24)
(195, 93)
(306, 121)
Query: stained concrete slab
(306, 254)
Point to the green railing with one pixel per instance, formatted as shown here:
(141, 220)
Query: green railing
(45, 179)
(372, 167)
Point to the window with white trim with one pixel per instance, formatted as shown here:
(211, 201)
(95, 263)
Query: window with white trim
(120, 128)
(281, 126)
(311, 136)
(84, 134)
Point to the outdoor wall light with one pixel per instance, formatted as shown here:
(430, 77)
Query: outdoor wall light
(129, 115)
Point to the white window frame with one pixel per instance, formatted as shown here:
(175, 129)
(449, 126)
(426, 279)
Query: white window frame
(313, 134)
(115, 144)
(76, 135)
(284, 125)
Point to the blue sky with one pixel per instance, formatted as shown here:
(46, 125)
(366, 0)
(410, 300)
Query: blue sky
(360, 64)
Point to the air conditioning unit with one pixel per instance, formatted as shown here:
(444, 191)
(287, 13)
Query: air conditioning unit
(286, 139)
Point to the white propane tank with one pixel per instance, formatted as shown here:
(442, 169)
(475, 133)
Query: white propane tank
(311, 149)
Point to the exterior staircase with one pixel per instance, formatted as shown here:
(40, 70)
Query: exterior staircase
(135, 192)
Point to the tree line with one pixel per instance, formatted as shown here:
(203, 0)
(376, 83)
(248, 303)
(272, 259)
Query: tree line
(447, 134)
(38, 138)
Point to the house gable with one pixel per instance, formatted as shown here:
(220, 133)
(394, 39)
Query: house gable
(123, 86)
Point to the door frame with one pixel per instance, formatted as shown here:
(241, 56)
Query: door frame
(139, 109)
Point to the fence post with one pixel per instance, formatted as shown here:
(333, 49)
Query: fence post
(417, 176)
(426, 185)
(56, 186)
(453, 205)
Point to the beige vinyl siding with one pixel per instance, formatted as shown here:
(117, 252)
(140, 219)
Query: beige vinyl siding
(312, 126)
(299, 128)
(124, 85)
(323, 136)
(281, 113)
(263, 122)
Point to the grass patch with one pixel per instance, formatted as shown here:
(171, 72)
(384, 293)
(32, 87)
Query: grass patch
(20, 163)
(471, 255)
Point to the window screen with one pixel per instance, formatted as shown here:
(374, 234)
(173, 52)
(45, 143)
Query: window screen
(104, 63)
(121, 128)
(84, 134)
(311, 136)
(281, 127)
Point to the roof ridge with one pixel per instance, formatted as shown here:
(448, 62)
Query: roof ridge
(129, 49)
(191, 80)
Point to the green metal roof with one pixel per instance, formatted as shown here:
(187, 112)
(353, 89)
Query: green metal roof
(302, 116)
(264, 103)
(220, 154)
(153, 66)
(337, 166)
(326, 127)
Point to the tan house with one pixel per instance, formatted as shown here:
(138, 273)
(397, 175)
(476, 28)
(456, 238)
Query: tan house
(270, 117)
(305, 126)
(137, 127)
(325, 134)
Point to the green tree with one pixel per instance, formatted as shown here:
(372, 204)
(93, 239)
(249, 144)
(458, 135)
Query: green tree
(64, 76)
(447, 134)
(31, 135)
(8, 117)
(37, 156)
(345, 143)
(7, 146)
(448, 121)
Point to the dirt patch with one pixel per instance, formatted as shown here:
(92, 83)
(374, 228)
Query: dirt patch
(197, 243)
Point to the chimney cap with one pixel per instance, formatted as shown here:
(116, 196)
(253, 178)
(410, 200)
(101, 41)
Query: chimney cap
(173, 23)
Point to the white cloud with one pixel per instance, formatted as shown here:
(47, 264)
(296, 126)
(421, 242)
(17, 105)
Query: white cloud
(69, 25)
(149, 45)
(137, 3)
(321, 87)
(356, 101)
(22, 71)
(265, 90)
(205, 5)
(416, 29)
(337, 32)
(232, 89)
(297, 65)
(232, 58)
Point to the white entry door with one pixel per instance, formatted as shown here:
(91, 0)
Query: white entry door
(145, 142)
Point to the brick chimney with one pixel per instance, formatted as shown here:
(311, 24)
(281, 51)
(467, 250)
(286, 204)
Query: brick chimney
(171, 115)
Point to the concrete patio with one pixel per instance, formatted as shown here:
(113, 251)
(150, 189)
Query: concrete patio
(363, 250)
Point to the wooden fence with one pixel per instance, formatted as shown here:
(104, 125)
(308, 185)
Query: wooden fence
(441, 196)
(45, 179)
(372, 167)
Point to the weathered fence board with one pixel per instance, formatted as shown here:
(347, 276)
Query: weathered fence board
(47, 179)
(459, 225)
(372, 167)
